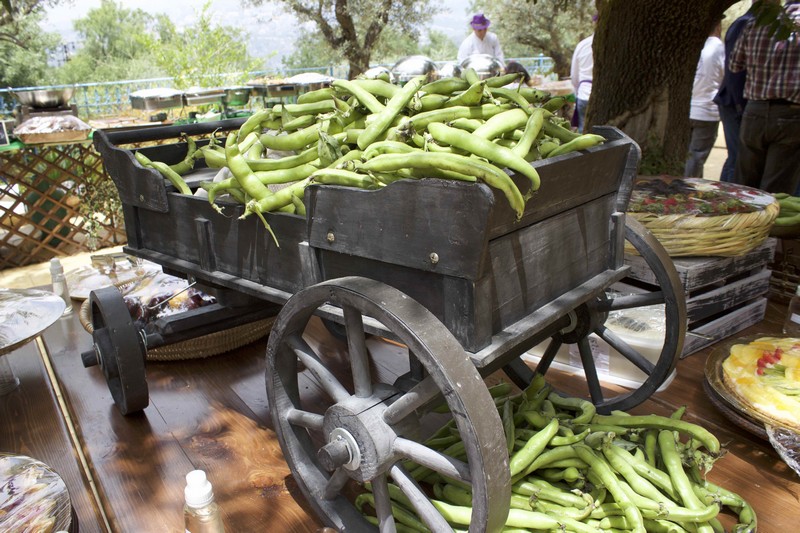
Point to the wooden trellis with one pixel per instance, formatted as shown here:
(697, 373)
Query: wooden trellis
(55, 200)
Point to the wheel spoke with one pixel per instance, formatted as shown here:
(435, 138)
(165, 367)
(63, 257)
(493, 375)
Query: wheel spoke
(359, 355)
(590, 370)
(327, 380)
(305, 419)
(419, 395)
(641, 362)
(422, 455)
(418, 499)
(549, 355)
(383, 504)
(335, 484)
(631, 301)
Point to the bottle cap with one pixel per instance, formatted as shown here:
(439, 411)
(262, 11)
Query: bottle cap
(55, 266)
(198, 491)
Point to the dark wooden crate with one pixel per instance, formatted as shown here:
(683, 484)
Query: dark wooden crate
(724, 295)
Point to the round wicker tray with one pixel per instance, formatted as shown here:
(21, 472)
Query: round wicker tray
(725, 235)
(200, 347)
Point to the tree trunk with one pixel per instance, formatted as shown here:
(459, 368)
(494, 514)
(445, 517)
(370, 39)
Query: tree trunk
(645, 57)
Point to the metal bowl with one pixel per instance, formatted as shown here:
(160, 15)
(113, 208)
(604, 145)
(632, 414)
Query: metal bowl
(450, 70)
(157, 98)
(45, 97)
(413, 66)
(237, 96)
(485, 65)
(379, 73)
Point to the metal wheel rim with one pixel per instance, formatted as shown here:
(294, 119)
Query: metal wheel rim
(448, 369)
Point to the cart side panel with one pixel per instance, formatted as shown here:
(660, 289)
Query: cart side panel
(527, 269)
(431, 224)
(193, 232)
(538, 263)
(444, 226)
(566, 181)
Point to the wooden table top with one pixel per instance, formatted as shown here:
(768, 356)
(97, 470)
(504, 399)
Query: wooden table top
(212, 414)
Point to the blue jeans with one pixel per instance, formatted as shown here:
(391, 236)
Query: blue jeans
(731, 118)
(769, 146)
(704, 134)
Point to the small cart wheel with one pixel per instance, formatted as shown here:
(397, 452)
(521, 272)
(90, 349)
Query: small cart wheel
(343, 420)
(591, 317)
(119, 349)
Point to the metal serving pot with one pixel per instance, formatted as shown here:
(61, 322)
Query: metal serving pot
(237, 96)
(450, 70)
(413, 66)
(45, 97)
(485, 65)
(379, 72)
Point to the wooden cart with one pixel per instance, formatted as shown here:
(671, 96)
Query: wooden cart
(441, 268)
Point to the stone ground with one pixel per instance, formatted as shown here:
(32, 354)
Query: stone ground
(37, 275)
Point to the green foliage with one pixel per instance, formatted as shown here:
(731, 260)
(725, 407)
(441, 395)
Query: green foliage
(549, 27)
(114, 46)
(312, 50)
(354, 29)
(27, 66)
(440, 46)
(770, 13)
(204, 54)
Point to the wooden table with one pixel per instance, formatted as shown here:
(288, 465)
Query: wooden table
(212, 414)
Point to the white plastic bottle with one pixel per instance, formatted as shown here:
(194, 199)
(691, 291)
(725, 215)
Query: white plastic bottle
(60, 284)
(791, 326)
(201, 514)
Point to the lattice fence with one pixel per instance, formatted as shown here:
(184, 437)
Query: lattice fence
(55, 200)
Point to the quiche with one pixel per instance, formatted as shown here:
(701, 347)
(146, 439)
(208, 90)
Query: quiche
(765, 376)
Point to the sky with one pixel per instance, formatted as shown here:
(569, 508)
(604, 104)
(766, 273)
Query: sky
(271, 28)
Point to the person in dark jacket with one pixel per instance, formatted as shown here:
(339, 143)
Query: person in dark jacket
(730, 99)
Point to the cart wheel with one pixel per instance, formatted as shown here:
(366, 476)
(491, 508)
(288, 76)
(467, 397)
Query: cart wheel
(344, 420)
(590, 318)
(119, 349)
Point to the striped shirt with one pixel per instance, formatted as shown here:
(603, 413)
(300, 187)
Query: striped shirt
(773, 67)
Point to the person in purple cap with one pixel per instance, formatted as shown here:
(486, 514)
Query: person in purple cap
(480, 41)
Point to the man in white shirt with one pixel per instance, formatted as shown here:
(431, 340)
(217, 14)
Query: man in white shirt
(480, 41)
(581, 77)
(704, 114)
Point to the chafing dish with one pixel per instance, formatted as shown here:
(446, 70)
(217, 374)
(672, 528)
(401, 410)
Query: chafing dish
(485, 65)
(413, 66)
(159, 98)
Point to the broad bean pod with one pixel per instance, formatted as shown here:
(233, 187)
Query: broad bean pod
(486, 149)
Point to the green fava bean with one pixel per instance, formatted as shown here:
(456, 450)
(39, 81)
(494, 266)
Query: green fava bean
(483, 148)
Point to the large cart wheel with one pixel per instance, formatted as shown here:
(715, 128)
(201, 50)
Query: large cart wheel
(342, 421)
(119, 348)
(591, 317)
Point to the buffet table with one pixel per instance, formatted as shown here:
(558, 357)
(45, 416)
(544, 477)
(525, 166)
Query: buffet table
(127, 473)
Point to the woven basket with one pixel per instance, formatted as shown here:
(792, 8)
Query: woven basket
(200, 347)
(724, 235)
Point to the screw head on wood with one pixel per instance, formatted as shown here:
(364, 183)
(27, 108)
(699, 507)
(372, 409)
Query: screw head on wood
(434, 257)
(331, 236)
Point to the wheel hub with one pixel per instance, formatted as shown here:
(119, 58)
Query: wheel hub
(358, 439)
(581, 325)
